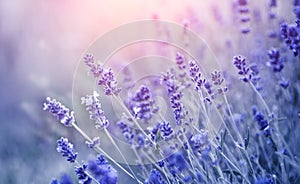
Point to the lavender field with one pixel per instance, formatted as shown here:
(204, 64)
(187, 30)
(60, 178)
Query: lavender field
(152, 92)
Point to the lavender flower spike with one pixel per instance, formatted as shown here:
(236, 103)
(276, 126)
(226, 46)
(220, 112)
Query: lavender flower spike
(61, 112)
(105, 76)
(93, 106)
(81, 174)
(66, 149)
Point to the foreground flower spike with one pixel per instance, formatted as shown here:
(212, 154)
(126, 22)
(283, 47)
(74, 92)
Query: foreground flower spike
(93, 106)
(102, 171)
(155, 178)
(62, 113)
(66, 149)
(82, 176)
(105, 76)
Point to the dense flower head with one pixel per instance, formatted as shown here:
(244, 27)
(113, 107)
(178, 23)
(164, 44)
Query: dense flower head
(155, 177)
(93, 106)
(66, 149)
(61, 112)
(105, 76)
(81, 174)
(166, 130)
(142, 104)
(126, 131)
(102, 171)
(275, 61)
(195, 75)
(291, 35)
(240, 63)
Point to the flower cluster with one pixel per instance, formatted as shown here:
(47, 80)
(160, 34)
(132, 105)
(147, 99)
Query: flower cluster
(166, 130)
(66, 149)
(175, 93)
(275, 61)
(195, 75)
(244, 15)
(61, 112)
(105, 76)
(194, 141)
(93, 106)
(291, 36)
(82, 176)
(102, 171)
(262, 122)
(142, 104)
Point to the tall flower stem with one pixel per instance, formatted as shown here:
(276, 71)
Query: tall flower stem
(100, 150)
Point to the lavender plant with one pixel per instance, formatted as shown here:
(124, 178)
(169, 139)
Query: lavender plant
(254, 143)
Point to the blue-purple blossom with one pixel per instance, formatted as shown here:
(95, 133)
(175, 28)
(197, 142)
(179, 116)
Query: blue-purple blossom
(262, 122)
(175, 94)
(142, 104)
(200, 140)
(291, 36)
(166, 130)
(264, 180)
(243, 70)
(126, 131)
(275, 61)
(61, 112)
(66, 149)
(180, 61)
(195, 75)
(177, 163)
(81, 174)
(102, 171)
(105, 76)
(255, 76)
(216, 78)
(95, 69)
(64, 179)
(93, 106)
(284, 83)
(155, 177)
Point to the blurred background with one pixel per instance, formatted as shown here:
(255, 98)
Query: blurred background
(41, 43)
